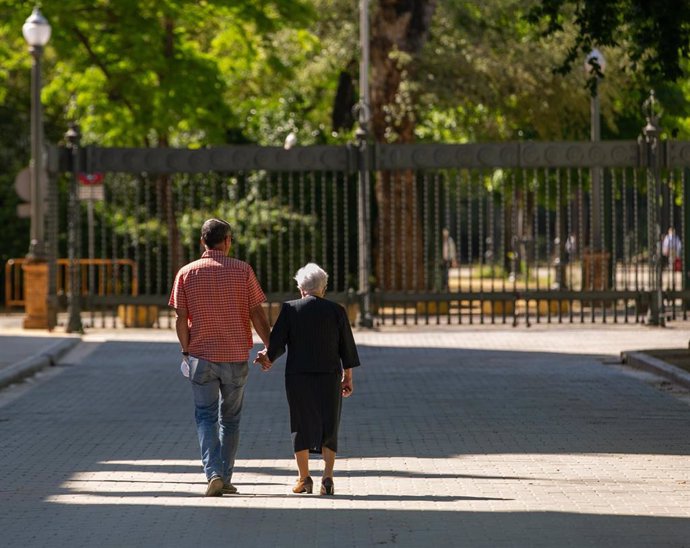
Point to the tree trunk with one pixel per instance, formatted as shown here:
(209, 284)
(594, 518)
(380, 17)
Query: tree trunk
(399, 30)
(399, 251)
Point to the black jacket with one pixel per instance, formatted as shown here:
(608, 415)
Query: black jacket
(317, 335)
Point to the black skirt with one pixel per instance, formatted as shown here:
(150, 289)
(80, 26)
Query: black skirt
(315, 401)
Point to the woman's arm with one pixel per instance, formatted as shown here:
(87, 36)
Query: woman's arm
(346, 386)
(279, 334)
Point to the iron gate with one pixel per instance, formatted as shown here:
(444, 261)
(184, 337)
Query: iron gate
(543, 232)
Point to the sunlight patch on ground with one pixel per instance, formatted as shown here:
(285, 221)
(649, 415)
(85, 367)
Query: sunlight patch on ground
(565, 339)
(607, 484)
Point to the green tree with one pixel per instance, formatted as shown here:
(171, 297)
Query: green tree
(151, 72)
(652, 40)
(654, 33)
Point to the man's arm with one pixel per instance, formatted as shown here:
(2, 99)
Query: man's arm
(260, 323)
(182, 328)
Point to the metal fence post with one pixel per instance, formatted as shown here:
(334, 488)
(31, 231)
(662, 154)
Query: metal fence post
(74, 324)
(685, 249)
(365, 318)
(52, 228)
(651, 132)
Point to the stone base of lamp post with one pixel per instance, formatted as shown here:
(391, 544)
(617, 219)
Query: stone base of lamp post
(595, 266)
(39, 315)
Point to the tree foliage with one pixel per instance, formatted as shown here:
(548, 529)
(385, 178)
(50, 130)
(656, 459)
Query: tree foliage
(654, 33)
(151, 72)
(649, 40)
(486, 75)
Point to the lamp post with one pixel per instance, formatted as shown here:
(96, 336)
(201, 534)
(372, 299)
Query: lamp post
(596, 259)
(595, 64)
(651, 133)
(36, 31)
(362, 134)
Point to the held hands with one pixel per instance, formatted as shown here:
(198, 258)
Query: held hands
(262, 360)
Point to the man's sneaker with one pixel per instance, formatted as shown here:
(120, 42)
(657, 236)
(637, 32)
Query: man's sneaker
(229, 489)
(215, 487)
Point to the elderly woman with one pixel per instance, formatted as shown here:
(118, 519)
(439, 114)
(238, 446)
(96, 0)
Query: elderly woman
(318, 373)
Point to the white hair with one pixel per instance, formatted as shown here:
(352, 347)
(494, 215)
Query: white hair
(311, 278)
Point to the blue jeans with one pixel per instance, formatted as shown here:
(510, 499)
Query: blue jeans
(218, 394)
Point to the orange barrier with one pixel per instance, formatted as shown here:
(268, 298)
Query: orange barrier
(110, 277)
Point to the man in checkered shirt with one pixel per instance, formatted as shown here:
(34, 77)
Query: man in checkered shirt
(217, 299)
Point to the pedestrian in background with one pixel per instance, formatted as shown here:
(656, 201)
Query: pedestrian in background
(217, 299)
(318, 373)
(670, 250)
(449, 256)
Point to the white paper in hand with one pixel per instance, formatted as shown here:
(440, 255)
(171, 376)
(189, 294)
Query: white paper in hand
(184, 368)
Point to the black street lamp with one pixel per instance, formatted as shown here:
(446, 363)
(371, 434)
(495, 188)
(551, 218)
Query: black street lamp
(596, 259)
(36, 32)
(651, 133)
(595, 65)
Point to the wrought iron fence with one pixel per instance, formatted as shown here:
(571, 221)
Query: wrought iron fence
(525, 248)
(536, 236)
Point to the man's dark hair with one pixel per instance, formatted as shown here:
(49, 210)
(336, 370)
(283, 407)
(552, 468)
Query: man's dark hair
(214, 231)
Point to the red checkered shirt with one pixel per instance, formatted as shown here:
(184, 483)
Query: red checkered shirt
(217, 293)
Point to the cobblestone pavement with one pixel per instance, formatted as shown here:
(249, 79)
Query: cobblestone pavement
(480, 436)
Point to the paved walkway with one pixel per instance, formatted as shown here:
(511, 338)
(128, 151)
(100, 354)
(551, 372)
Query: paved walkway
(480, 436)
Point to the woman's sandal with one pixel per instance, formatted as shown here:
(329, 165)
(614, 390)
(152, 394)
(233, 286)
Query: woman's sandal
(305, 485)
(327, 486)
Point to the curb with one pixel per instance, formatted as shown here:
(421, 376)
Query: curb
(32, 364)
(640, 360)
